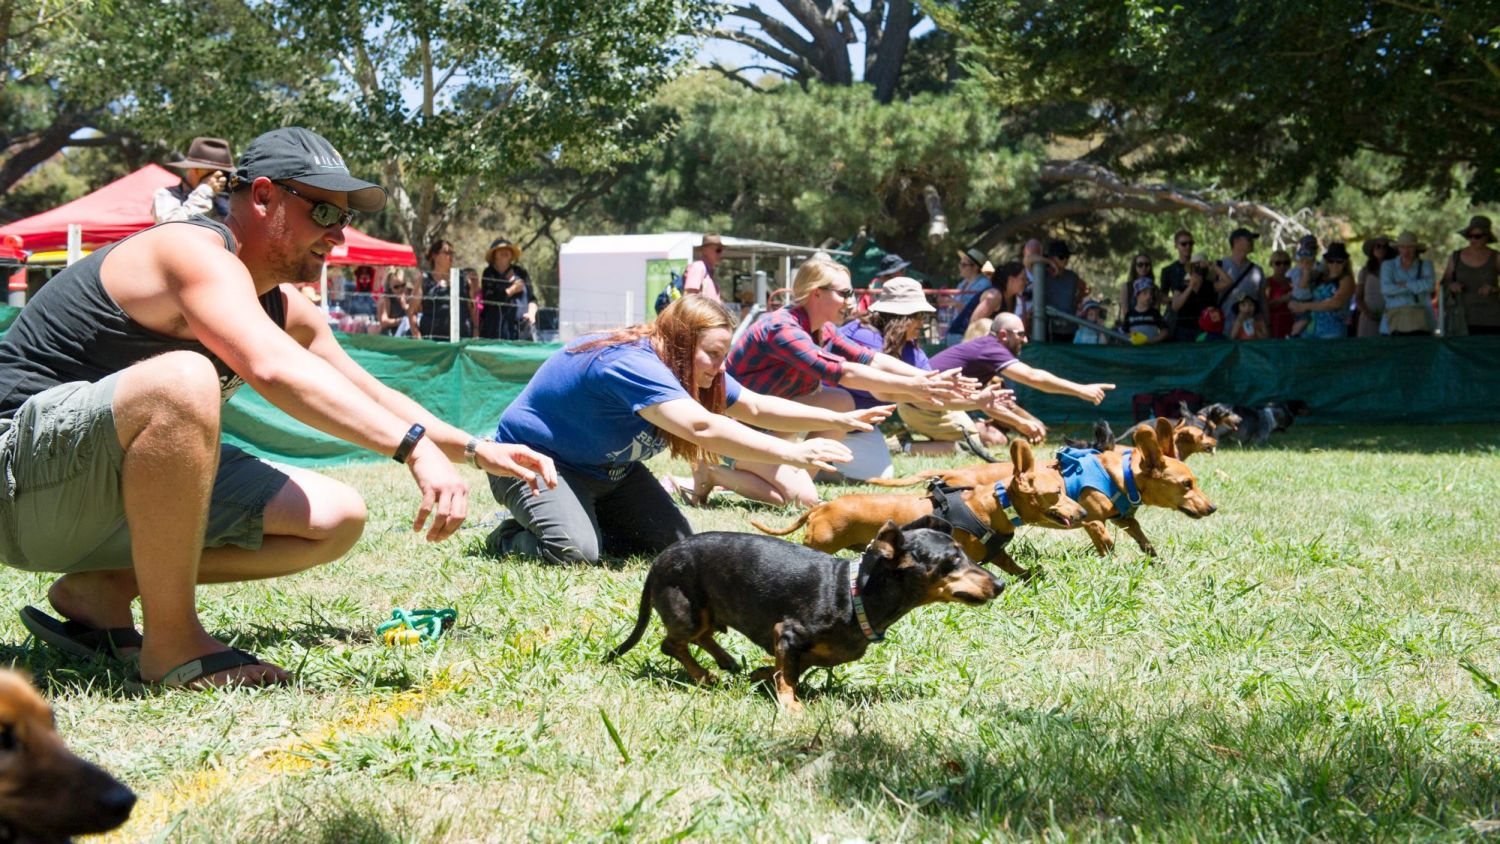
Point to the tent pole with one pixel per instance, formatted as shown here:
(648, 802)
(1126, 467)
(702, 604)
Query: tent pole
(323, 287)
(75, 243)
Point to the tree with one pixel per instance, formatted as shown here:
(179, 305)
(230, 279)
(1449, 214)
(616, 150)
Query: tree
(501, 88)
(145, 75)
(1201, 103)
(830, 27)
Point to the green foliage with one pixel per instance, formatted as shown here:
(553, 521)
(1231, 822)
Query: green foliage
(1259, 97)
(800, 166)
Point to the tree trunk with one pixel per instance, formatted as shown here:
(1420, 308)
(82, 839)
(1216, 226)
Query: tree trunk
(32, 152)
(885, 54)
(937, 228)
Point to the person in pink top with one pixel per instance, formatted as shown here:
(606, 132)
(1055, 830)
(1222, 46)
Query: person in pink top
(700, 273)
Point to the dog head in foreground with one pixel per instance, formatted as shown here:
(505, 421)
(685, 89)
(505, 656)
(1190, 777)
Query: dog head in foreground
(922, 561)
(47, 794)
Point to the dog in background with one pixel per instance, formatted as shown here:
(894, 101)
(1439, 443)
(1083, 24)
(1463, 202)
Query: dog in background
(1258, 424)
(803, 607)
(47, 794)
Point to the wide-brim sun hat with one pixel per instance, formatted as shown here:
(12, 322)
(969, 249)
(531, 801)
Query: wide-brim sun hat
(1368, 247)
(1481, 222)
(1408, 238)
(501, 243)
(902, 296)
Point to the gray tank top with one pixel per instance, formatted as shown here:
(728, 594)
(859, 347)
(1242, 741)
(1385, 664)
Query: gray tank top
(1478, 310)
(73, 331)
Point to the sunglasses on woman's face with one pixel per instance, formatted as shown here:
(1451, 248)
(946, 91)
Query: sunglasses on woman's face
(1281, 263)
(325, 214)
(1476, 235)
(841, 292)
(1145, 264)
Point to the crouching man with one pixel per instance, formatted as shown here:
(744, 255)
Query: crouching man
(111, 384)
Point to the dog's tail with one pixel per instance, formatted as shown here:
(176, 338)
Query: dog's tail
(801, 520)
(642, 618)
(909, 480)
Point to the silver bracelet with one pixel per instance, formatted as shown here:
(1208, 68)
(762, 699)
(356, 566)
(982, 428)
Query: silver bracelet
(471, 450)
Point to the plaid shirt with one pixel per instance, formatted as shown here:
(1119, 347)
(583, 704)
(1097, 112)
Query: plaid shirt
(779, 357)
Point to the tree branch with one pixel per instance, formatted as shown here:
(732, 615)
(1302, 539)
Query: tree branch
(776, 30)
(804, 68)
(1079, 171)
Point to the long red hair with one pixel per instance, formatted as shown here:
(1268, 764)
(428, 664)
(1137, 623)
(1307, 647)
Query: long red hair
(674, 337)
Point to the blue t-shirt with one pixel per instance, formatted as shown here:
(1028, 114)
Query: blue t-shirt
(582, 409)
(864, 335)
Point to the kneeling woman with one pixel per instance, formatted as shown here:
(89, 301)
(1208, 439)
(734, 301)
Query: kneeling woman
(607, 403)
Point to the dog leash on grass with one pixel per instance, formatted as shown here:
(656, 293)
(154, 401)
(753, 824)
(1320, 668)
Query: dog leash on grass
(411, 627)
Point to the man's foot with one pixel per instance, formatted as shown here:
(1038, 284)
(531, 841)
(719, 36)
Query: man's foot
(204, 662)
(99, 599)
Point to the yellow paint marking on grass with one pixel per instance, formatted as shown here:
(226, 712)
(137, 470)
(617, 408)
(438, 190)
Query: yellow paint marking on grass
(193, 789)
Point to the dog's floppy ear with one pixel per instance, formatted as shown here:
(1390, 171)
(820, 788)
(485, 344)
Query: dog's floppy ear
(930, 522)
(1150, 449)
(1166, 437)
(888, 543)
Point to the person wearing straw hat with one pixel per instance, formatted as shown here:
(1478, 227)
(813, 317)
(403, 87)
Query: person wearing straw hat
(507, 292)
(699, 277)
(205, 174)
(112, 383)
(1406, 282)
(1471, 283)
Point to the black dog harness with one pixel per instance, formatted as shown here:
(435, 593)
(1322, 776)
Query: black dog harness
(948, 504)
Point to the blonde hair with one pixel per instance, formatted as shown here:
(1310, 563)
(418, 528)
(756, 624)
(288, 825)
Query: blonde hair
(814, 273)
(978, 328)
(674, 337)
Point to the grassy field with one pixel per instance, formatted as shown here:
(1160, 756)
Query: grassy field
(1316, 661)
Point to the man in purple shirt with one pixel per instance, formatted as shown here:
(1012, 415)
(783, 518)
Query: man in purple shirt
(997, 353)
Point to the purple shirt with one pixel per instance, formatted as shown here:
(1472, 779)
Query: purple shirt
(981, 358)
(864, 335)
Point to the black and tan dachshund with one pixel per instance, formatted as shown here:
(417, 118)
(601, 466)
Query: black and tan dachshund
(804, 607)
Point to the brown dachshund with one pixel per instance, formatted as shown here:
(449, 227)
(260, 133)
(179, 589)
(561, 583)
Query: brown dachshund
(1151, 475)
(1035, 492)
(47, 794)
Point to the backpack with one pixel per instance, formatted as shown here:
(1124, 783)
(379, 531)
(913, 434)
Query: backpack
(671, 293)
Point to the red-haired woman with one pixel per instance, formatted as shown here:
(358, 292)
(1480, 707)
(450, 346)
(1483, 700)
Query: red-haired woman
(607, 403)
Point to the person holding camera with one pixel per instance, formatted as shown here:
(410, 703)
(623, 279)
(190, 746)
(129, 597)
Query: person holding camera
(203, 185)
(1192, 293)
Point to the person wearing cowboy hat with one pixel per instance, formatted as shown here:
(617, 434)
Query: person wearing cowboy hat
(509, 299)
(205, 175)
(1471, 283)
(1406, 283)
(699, 277)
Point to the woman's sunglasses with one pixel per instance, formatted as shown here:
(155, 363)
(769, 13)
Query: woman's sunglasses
(325, 214)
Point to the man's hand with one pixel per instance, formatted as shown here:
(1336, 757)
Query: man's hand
(517, 461)
(1095, 392)
(1296, 307)
(864, 420)
(994, 395)
(1485, 290)
(818, 454)
(940, 388)
(216, 181)
(445, 497)
(1033, 430)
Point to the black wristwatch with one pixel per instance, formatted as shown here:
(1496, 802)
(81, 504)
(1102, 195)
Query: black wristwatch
(408, 442)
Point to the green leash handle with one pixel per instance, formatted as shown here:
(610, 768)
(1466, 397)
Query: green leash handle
(429, 624)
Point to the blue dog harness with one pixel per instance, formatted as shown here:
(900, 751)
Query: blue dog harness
(1082, 470)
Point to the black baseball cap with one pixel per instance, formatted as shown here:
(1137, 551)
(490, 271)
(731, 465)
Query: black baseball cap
(1241, 232)
(303, 156)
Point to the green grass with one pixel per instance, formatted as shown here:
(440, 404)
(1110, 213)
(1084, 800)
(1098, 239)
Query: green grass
(1317, 660)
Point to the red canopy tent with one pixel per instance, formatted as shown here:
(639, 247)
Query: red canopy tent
(123, 207)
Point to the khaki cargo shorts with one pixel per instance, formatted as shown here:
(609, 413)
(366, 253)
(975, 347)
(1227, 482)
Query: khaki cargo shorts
(940, 425)
(61, 507)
